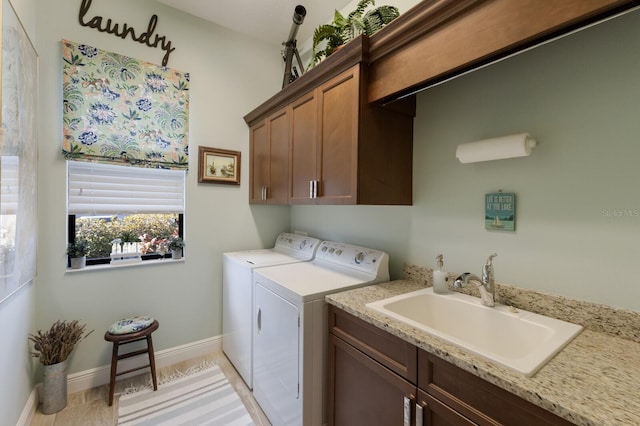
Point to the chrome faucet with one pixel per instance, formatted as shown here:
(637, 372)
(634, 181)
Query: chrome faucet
(486, 284)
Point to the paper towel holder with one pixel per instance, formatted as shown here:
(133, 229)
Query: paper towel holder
(500, 148)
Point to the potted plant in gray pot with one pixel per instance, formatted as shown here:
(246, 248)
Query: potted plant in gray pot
(77, 252)
(176, 244)
(53, 348)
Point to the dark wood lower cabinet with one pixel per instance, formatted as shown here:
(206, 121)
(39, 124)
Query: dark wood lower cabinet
(378, 379)
(430, 411)
(476, 399)
(365, 392)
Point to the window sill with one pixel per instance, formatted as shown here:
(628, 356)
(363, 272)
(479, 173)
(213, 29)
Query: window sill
(107, 266)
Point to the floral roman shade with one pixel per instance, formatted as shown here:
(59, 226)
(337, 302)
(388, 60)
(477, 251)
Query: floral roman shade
(117, 109)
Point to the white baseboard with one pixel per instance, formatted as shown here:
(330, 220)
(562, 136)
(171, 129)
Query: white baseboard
(91, 378)
(29, 409)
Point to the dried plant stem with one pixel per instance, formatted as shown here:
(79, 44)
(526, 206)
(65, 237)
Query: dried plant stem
(55, 345)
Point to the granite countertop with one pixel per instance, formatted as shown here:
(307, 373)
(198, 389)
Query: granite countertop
(594, 380)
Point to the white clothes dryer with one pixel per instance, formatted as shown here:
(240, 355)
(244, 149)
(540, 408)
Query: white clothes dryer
(289, 349)
(237, 294)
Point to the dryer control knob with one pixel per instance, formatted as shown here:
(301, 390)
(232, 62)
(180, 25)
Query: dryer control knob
(359, 258)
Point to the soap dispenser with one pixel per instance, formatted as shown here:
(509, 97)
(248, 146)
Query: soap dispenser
(440, 278)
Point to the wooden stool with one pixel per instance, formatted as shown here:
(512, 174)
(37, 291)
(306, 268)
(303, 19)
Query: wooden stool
(127, 331)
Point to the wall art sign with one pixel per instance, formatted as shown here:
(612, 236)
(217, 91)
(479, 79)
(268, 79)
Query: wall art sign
(117, 109)
(500, 211)
(218, 166)
(123, 30)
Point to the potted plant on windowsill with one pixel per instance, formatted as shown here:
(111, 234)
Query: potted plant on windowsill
(77, 252)
(53, 348)
(344, 29)
(176, 244)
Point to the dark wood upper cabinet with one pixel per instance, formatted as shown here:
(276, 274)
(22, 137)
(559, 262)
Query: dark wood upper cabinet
(304, 131)
(348, 122)
(342, 150)
(438, 39)
(269, 160)
(259, 162)
(338, 139)
(346, 151)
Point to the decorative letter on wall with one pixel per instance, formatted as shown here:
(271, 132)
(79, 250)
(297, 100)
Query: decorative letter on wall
(117, 109)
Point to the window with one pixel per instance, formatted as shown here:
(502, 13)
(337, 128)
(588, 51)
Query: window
(108, 204)
(9, 177)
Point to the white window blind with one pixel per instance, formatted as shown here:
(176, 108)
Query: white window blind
(98, 188)
(9, 193)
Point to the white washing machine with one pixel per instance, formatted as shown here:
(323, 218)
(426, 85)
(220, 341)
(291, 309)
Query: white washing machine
(289, 341)
(237, 294)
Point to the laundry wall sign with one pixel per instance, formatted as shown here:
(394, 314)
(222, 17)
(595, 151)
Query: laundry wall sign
(124, 30)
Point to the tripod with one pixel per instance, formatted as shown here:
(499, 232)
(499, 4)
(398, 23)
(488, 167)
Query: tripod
(290, 49)
(290, 71)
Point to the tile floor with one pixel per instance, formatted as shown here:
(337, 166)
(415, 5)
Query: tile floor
(90, 407)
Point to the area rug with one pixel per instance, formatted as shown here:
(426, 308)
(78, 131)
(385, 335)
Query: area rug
(201, 398)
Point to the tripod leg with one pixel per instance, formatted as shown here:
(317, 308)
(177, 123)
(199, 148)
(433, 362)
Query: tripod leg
(295, 52)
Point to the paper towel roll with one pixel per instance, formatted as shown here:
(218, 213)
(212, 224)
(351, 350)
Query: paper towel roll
(519, 145)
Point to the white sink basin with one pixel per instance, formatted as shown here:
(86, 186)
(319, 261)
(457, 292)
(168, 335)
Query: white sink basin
(519, 340)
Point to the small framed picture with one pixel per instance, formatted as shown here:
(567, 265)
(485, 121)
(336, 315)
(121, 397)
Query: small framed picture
(218, 166)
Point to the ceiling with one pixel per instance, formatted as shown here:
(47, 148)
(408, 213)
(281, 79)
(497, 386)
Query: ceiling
(267, 20)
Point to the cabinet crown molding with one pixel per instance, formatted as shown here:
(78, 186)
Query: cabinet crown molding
(352, 53)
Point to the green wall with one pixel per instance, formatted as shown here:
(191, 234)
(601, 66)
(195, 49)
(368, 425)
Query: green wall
(230, 75)
(578, 204)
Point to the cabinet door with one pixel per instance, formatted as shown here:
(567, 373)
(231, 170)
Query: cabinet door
(303, 148)
(278, 184)
(477, 399)
(269, 172)
(337, 159)
(362, 391)
(431, 412)
(259, 171)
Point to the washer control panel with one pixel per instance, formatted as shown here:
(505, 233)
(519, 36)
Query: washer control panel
(361, 258)
(297, 243)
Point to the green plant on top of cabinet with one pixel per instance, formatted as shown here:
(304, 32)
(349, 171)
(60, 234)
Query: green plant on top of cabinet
(345, 28)
(269, 171)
